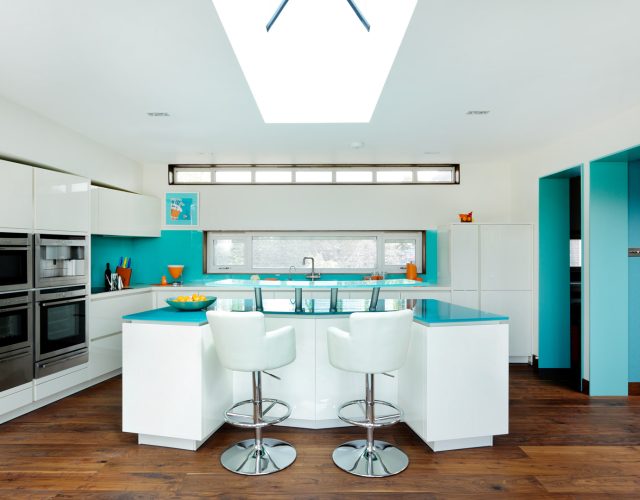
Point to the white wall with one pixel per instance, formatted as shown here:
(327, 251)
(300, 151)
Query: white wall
(483, 189)
(27, 136)
(592, 142)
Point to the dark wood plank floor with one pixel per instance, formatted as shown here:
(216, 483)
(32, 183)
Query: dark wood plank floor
(562, 445)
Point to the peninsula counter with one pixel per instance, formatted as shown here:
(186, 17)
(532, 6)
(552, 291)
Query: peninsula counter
(453, 387)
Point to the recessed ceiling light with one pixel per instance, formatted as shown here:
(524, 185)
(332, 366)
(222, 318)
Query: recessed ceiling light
(356, 145)
(431, 152)
(478, 112)
(157, 114)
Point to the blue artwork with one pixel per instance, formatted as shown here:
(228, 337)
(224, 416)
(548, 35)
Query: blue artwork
(181, 209)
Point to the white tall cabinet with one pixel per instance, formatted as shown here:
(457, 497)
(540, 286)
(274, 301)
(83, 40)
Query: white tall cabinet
(490, 267)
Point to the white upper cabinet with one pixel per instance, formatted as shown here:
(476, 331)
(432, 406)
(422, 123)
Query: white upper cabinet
(120, 213)
(464, 257)
(506, 257)
(16, 190)
(62, 202)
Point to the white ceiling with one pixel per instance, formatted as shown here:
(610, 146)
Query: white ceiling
(543, 67)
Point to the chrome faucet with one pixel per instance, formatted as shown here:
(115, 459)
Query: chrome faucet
(313, 275)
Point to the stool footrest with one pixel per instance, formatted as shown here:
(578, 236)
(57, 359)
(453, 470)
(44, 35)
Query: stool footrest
(246, 420)
(380, 421)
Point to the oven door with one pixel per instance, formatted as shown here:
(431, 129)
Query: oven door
(15, 268)
(61, 327)
(15, 328)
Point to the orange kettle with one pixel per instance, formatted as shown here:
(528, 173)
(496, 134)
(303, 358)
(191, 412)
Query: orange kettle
(412, 271)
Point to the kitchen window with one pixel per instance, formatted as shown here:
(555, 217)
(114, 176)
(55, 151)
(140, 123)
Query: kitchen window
(334, 252)
(378, 174)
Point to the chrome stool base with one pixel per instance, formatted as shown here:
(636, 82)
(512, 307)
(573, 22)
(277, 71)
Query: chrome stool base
(385, 459)
(244, 458)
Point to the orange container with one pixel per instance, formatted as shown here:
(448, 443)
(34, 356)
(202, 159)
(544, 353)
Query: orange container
(412, 271)
(125, 274)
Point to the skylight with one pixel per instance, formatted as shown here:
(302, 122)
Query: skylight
(317, 63)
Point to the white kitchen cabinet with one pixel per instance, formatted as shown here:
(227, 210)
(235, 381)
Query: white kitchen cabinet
(16, 192)
(491, 267)
(506, 257)
(16, 397)
(464, 257)
(516, 305)
(106, 311)
(444, 295)
(119, 213)
(105, 355)
(60, 381)
(388, 293)
(61, 201)
(466, 298)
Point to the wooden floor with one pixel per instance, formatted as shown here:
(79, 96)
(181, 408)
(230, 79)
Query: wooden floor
(562, 445)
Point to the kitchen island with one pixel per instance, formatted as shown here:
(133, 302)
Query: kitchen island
(453, 387)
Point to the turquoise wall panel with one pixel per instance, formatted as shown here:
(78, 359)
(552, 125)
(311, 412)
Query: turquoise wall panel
(634, 273)
(152, 255)
(608, 286)
(108, 249)
(554, 340)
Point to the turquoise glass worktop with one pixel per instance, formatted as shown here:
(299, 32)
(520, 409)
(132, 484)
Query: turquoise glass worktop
(318, 284)
(428, 311)
(432, 311)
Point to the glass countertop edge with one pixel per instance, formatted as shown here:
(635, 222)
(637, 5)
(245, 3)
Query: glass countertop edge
(315, 284)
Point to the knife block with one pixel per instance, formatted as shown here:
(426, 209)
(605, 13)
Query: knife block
(125, 274)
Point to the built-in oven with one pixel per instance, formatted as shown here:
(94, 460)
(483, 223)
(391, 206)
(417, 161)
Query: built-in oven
(16, 258)
(60, 260)
(16, 339)
(60, 329)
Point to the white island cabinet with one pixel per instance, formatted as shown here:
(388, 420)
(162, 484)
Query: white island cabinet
(454, 386)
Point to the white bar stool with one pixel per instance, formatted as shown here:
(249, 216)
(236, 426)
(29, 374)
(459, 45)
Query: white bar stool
(242, 344)
(378, 342)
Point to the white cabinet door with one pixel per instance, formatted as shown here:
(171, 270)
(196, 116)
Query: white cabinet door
(444, 295)
(62, 202)
(516, 305)
(105, 313)
(506, 256)
(466, 298)
(16, 192)
(366, 294)
(125, 214)
(105, 355)
(464, 257)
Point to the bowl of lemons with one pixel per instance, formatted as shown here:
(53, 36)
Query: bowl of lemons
(193, 302)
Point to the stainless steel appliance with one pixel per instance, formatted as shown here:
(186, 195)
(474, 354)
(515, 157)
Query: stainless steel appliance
(60, 260)
(61, 329)
(16, 261)
(16, 339)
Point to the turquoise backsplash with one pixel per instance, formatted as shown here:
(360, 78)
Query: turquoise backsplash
(150, 257)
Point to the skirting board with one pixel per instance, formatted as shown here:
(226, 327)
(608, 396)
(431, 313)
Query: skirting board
(55, 397)
(459, 444)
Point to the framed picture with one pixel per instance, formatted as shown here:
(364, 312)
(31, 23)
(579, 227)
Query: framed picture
(181, 209)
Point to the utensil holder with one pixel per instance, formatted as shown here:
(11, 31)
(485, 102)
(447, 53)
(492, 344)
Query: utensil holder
(125, 274)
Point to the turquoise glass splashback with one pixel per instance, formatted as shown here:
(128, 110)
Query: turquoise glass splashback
(150, 257)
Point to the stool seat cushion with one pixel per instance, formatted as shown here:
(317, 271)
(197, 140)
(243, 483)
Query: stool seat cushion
(377, 342)
(243, 344)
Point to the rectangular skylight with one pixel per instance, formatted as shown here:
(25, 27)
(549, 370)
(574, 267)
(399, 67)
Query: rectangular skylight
(318, 63)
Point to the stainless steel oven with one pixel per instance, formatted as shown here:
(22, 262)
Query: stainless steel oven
(60, 260)
(16, 261)
(61, 329)
(16, 339)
